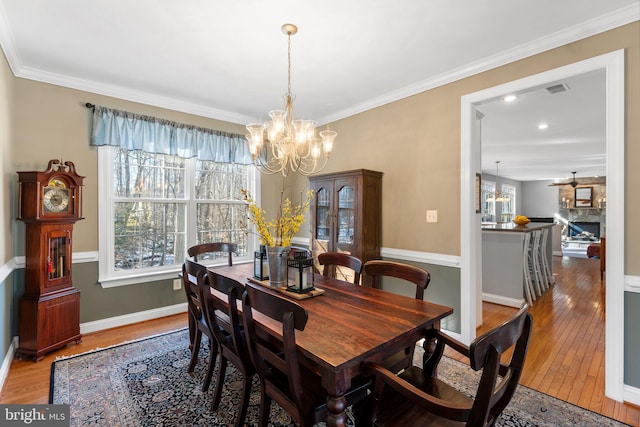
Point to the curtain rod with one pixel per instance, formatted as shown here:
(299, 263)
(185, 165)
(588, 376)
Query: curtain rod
(89, 105)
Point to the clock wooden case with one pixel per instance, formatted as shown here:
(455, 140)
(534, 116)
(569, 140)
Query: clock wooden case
(49, 310)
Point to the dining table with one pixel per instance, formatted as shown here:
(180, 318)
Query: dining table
(348, 325)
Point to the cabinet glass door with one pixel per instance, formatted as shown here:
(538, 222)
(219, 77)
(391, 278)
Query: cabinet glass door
(345, 215)
(323, 219)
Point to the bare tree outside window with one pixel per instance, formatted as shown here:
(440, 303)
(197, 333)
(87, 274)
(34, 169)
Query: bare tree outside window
(162, 202)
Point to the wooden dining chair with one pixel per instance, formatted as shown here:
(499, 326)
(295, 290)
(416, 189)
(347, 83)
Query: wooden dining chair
(417, 397)
(213, 247)
(282, 378)
(374, 270)
(332, 260)
(197, 323)
(223, 320)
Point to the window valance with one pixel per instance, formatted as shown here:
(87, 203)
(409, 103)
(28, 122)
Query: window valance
(137, 132)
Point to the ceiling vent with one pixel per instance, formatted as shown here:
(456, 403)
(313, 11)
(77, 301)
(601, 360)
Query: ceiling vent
(557, 88)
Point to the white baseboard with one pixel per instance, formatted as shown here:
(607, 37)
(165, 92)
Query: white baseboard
(631, 395)
(128, 319)
(6, 363)
(498, 299)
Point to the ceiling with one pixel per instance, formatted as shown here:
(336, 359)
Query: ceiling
(228, 60)
(575, 139)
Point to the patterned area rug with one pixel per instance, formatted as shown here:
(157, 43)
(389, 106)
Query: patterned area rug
(145, 383)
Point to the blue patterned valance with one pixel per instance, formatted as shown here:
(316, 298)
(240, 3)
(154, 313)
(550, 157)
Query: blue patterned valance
(137, 132)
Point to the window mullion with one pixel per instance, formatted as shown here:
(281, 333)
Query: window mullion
(190, 194)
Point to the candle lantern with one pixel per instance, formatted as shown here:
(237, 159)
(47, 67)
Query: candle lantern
(300, 272)
(260, 266)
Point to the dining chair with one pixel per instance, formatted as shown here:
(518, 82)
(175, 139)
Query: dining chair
(213, 247)
(374, 270)
(416, 397)
(332, 260)
(295, 388)
(223, 320)
(197, 323)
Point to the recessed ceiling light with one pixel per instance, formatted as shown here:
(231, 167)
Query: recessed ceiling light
(509, 98)
(543, 126)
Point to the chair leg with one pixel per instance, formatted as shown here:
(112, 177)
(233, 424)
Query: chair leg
(247, 377)
(195, 349)
(192, 330)
(217, 394)
(213, 355)
(265, 407)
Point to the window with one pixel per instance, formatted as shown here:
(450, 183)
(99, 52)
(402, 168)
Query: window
(508, 206)
(488, 203)
(154, 206)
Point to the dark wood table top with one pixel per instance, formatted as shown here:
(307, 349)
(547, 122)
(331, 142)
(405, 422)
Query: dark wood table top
(351, 324)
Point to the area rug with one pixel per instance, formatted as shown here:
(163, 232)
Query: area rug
(145, 383)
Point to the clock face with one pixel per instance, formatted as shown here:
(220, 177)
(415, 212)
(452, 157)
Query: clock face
(55, 199)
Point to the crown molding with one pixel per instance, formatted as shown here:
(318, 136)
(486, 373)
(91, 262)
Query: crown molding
(586, 29)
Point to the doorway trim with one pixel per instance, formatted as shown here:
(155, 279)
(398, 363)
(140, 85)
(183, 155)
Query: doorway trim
(470, 234)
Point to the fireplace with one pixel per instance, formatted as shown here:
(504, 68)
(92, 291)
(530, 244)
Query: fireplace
(577, 227)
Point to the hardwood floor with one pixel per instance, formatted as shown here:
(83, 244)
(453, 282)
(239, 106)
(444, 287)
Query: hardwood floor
(565, 359)
(566, 350)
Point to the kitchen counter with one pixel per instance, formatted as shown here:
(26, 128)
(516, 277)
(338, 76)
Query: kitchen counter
(503, 255)
(509, 226)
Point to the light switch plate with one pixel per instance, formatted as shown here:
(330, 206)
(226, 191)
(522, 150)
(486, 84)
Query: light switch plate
(177, 284)
(432, 216)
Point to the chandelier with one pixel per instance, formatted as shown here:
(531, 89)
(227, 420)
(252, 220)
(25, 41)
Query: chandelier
(285, 144)
(497, 197)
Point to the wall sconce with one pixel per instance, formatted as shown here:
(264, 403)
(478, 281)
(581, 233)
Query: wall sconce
(300, 265)
(260, 266)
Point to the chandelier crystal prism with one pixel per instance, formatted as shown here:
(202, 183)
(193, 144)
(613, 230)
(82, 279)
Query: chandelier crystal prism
(285, 144)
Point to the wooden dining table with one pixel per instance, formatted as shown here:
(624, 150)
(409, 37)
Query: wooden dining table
(349, 325)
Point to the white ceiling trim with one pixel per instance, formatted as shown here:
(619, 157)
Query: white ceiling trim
(586, 29)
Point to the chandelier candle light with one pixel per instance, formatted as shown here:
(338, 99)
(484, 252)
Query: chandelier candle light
(497, 197)
(284, 143)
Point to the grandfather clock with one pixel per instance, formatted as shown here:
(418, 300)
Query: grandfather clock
(49, 310)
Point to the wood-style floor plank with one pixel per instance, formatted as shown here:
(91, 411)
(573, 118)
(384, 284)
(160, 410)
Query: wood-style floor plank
(566, 351)
(565, 358)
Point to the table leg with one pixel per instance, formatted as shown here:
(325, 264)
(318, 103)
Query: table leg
(336, 406)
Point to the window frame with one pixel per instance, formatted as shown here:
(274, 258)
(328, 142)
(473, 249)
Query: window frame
(510, 191)
(107, 275)
(484, 193)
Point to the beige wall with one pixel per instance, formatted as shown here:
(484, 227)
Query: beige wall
(6, 155)
(416, 143)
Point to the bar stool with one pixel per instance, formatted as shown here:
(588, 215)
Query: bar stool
(529, 292)
(535, 262)
(545, 261)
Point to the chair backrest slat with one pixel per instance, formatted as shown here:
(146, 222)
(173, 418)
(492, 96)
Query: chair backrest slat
(331, 260)
(375, 269)
(212, 247)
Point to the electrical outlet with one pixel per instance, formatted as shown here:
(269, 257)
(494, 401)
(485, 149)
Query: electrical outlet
(432, 216)
(177, 284)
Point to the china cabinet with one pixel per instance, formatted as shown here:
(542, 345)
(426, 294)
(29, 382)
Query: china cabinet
(346, 214)
(49, 311)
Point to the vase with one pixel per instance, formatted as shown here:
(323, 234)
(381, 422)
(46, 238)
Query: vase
(277, 261)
